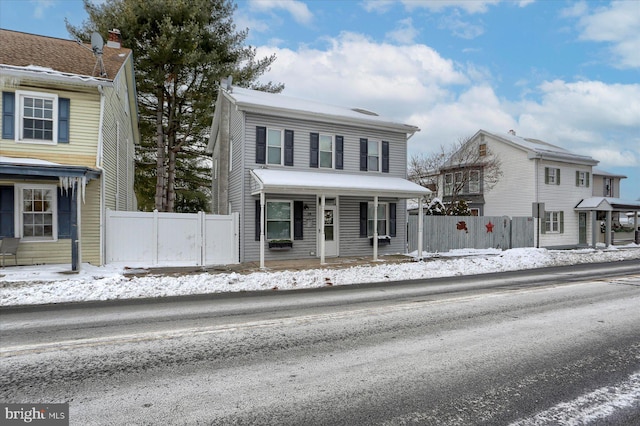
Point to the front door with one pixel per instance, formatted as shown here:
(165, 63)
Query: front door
(330, 231)
(582, 228)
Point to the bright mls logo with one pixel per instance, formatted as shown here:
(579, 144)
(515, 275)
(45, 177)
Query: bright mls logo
(37, 414)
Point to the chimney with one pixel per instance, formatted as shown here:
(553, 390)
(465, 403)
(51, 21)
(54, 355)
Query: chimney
(115, 39)
(512, 132)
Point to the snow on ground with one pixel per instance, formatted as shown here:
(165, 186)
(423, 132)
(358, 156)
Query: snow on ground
(49, 284)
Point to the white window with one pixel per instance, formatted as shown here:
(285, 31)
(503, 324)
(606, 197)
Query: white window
(582, 179)
(475, 212)
(373, 156)
(37, 212)
(459, 183)
(551, 176)
(37, 117)
(382, 219)
(552, 222)
(608, 187)
(448, 184)
(274, 146)
(474, 181)
(326, 151)
(279, 223)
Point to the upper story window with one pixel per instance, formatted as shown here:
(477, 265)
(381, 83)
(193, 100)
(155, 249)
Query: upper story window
(582, 179)
(482, 149)
(34, 117)
(551, 176)
(608, 187)
(474, 181)
(448, 184)
(326, 151)
(274, 146)
(374, 156)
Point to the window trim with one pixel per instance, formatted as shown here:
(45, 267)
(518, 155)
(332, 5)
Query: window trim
(378, 145)
(385, 219)
(474, 185)
(19, 116)
(447, 187)
(267, 146)
(291, 219)
(552, 218)
(552, 176)
(333, 151)
(482, 149)
(18, 211)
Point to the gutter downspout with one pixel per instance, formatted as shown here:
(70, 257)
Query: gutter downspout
(537, 195)
(99, 157)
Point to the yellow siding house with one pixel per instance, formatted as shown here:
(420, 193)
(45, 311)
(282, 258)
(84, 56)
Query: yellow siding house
(69, 127)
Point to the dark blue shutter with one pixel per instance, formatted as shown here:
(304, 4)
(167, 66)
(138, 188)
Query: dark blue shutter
(363, 219)
(63, 120)
(364, 152)
(6, 212)
(385, 157)
(257, 221)
(288, 147)
(339, 152)
(392, 219)
(298, 209)
(261, 145)
(314, 142)
(8, 118)
(64, 213)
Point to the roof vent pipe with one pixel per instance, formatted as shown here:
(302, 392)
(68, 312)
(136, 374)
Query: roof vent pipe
(512, 132)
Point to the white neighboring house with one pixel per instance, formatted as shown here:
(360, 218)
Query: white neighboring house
(536, 172)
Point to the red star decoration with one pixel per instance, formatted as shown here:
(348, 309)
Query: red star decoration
(489, 227)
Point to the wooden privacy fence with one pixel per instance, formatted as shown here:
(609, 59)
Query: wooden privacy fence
(171, 239)
(444, 233)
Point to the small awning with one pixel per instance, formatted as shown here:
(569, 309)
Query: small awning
(312, 183)
(604, 204)
(29, 167)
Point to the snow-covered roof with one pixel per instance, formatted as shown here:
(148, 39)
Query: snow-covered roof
(607, 204)
(286, 106)
(543, 150)
(43, 168)
(302, 182)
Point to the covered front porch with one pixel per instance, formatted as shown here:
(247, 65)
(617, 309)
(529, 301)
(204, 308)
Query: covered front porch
(608, 207)
(371, 192)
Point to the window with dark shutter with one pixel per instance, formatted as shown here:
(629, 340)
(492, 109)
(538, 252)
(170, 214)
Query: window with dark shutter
(313, 154)
(298, 209)
(64, 107)
(257, 220)
(6, 211)
(288, 147)
(261, 145)
(64, 213)
(364, 152)
(385, 157)
(339, 152)
(8, 111)
(363, 219)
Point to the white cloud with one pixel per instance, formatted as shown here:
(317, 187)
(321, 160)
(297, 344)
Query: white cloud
(40, 8)
(469, 6)
(618, 24)
(297, 9)
(459, 27)
(405, 33)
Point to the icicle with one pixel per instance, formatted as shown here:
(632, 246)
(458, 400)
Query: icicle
(68, 182)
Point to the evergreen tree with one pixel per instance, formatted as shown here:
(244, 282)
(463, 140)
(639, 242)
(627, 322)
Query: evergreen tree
(181, 50)
(460, 208)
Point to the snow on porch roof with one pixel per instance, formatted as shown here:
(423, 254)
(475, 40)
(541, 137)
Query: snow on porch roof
(608, 204)
(314, 183)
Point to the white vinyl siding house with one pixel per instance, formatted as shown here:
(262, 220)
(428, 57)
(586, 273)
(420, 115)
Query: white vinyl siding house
(287, 154)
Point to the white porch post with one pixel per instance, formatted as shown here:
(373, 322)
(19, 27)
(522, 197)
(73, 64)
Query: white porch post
(375, 228)
(420, 226)
(262, 230)
(607, 236)
(322, 236)
(79, 222)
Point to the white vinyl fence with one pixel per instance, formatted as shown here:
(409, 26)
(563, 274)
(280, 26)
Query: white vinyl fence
(444, 233)
(171, 239)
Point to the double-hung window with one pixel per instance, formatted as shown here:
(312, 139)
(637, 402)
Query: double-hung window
(36, 212)
(326, 151)
(582, 179)
(373, 156)
(551, 176)
(382, 219)
(459, 182)
(37, 118)
(448, 184)
(474, 181)
(274, 146)
(279, 220)
(553, 222)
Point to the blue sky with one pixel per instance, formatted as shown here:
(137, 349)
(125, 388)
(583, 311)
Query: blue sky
(565, 72)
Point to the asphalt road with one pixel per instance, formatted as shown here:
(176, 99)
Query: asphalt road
(548, 346)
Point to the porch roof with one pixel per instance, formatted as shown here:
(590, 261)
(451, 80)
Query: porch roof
(608, 204)
(314, 183)
(21, 167)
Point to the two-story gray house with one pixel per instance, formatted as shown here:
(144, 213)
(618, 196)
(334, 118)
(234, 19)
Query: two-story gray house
(309, 179)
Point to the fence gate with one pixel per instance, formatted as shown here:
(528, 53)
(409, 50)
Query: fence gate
(171, 239)
(444, 233)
